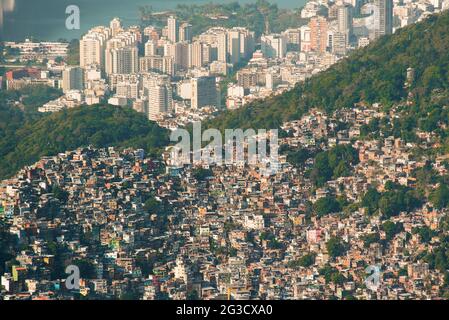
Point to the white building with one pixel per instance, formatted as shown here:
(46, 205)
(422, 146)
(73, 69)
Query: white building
(273, 46)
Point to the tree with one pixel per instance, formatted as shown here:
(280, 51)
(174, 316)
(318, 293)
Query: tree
(370, 238)
(334, 163)
(152, 206)
(335, 247)
(298, 157)
(391, 229)
(326, 205)
(307, 260)
(370, 200)
(60, 193)
(202, 174)
(425, 233)
(193, 295)
(440, 197)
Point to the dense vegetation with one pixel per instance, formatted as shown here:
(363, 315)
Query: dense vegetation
(73, 55)
(29, 98)
(326, 205)
(99, 125)
(395, 199)
(376, 73)
(333, 164)
(336, 247)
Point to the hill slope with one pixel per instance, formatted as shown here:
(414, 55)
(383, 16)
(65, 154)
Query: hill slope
(373, 74)
(99, 125)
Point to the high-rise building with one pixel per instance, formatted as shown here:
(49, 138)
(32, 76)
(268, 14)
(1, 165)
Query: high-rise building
(128, 89)
(204, 92)
(121, 54)
(173, 29)
(160, 96)
(305, 38)
(222, 47)
(240, 44)
(207, 53)
(151, 48)
(72, 79)
(318, 34)
(137, 32)
(344, 19)
(247, 43)
(157, 64)
(273, 46)
(337, 42)
(197, 54)
(181, 53)
(234, 46)
(151, 33)
(185, 32)
(383, 17)
(124, 60)
(293, 38)
(116, 26)
(92, 47)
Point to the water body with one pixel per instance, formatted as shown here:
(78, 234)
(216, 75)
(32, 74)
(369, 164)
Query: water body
(45, 19)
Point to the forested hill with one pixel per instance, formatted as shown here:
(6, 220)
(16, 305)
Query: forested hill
(102, 125)
(373, 74)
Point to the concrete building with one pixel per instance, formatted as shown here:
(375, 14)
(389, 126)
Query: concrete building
(318, 34)
(273, 46)
(173, 29)
(72, 79)
(204, 92)
(383, 17)
(185, 32)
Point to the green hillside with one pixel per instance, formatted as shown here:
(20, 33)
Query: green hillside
(373, 74)
(99, 125)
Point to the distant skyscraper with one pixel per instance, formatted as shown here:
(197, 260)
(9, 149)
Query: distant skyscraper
(157, 64)
(197, 54)
(173, 29)
(72, 79)
(160, 97)
(305, 38)
(247, 43)
(344, 19)
(92, 47)
(121, 54)
(337, 42)
(185, 32)
(116, 26)
(293, 38)
(204, 92)
(151, 48)
(91, 51)
(273, 46)
(318, 34)
(137, 32)
(151, 33)
(383, 17)
(124, 60)
(181, 54)
(234, 46)
(222, 47)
